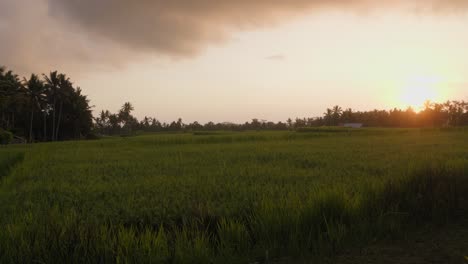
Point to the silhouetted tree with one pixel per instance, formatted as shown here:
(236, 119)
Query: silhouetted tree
(35, 91)
(22, 103)
(328, 117)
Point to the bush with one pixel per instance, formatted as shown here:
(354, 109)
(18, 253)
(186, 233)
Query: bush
(5, 137)
(92, 136)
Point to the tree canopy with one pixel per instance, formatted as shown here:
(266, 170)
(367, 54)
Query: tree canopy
(450, 113)
(49, 107)
(43, 109)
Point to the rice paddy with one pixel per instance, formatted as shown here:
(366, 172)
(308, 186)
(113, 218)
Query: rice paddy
(230, 197)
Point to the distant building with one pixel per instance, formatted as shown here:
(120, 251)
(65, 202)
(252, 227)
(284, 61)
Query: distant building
(353, 125)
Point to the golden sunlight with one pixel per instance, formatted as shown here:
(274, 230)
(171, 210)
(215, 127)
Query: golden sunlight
(418, 90)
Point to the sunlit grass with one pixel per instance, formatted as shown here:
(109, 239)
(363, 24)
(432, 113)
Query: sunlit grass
(226, 197)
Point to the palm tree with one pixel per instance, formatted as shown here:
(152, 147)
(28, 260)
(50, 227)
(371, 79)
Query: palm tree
(103, 121)
(34, 89)
(66, 87)
(52, 85)
(59, 87)
(125, 115)
(328, 116)
(10, 94)
(337, 111)
(114, 123)
(5, 88)
(125, 111)
(44, 107)
(347, 115)
(145, 122)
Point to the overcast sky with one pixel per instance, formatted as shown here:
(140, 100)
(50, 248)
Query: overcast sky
(225, 60)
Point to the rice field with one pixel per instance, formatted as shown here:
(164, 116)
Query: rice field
(226, 197)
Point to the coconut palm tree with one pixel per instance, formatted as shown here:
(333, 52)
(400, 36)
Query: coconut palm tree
(337, 111)
(59, 87)
(52, 85)
(347, 115)
(125, 116)
(45, 110)
(125, 111)
(66, 89)
(35, 91)
(9, 97)
(328, 116)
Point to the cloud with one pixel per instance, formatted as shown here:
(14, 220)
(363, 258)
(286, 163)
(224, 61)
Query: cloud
(34, 41)
(39, 34)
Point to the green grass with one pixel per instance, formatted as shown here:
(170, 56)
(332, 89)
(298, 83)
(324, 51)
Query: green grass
(226, 197)
(8, 159)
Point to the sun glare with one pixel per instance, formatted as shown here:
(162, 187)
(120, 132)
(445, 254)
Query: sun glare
(419, 90)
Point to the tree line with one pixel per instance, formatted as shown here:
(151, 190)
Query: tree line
(450, 113)
(49, 107)
(45, 107)
(124, 123)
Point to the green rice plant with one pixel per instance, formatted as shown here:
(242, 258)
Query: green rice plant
(192, 246)
(8, 160)
(237, 198)
(233, 240)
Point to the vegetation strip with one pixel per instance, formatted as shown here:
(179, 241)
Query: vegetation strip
(8, 161)
(50, 107)
(236, 198)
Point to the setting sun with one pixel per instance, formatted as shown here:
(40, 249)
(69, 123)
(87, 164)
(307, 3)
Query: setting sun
(418, 90)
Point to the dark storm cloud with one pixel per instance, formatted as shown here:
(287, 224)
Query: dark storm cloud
(184, 27)
(45, 33)
(33, 41)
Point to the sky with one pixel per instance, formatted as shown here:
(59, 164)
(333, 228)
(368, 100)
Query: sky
(222, 60)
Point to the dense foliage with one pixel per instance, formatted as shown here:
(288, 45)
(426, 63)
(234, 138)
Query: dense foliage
(5, 137)
(43, 109)
(450, 113)
(51, 108)
(226, 197)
